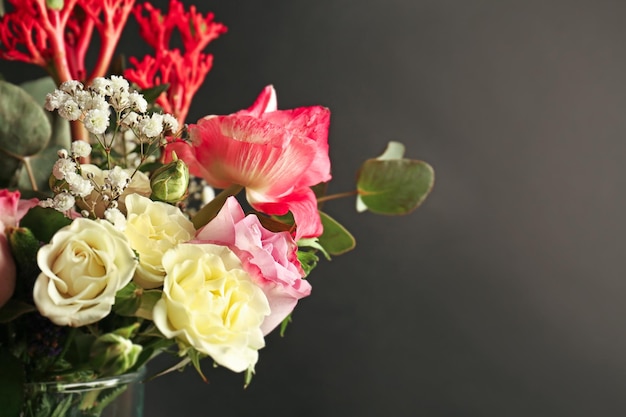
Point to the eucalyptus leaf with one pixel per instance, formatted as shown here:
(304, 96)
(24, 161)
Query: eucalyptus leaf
(24, 126)
(336, 239)
(396, 186)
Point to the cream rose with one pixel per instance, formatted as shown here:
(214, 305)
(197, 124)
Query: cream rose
(210, 303)
(82, 268)
(153, 228)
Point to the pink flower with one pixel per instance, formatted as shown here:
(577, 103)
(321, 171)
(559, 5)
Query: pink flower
(12, 209)
(276, 154)
(270, 258)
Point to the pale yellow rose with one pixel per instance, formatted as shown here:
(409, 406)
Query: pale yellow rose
(140, 184)
(153, 228)
(82, 268)
(210, 303)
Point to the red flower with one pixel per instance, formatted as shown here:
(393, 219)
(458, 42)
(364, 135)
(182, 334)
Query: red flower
(183, 71)
(58, 40)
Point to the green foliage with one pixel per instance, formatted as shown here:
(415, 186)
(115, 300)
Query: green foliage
(29, 136)
(11, 384)
(392, 184)
(44, 222)
(336, 239)
(134, 301)
(14, 309)
(283, 325)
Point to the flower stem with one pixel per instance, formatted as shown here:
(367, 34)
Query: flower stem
(209, 211)
(337, 196)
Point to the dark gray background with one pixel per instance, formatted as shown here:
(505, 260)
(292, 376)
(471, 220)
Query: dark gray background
(502, 295)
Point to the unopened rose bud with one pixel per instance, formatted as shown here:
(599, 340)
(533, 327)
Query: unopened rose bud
(169, 183)
(113, 353)
(54, 4)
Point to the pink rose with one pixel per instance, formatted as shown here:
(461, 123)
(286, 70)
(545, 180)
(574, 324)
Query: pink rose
(270, 258)
(12, 209)
(276, 154)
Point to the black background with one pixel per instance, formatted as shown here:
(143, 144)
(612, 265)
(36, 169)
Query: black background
(503, 294)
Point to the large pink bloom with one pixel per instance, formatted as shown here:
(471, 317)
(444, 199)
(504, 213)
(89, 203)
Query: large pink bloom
(12, 209)
(276, 154)
(270, 258)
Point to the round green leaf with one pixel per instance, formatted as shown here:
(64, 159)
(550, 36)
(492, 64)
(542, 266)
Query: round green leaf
(396, 186)
(24, 126)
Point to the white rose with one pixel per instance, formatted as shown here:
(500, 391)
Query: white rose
(82, 268)
(211, 303)
(153, 228)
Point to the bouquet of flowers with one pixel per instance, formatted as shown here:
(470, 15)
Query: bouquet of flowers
(114, 245)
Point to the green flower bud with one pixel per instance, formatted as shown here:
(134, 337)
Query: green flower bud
(169, 183)
(113, 353)
(54, 4)
(24, 246)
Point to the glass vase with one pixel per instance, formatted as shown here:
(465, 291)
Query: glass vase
(116, 396)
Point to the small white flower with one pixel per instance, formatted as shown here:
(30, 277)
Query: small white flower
(96, 121)
(62, 167)
(138, 102)
(78, 185)
(101, 86)
(94, 101)
(120, 100)
(71, 86)
(118, 178)
(119, 84)
(170, 122)
(151, 126)
(55, 100)
(115, 216)
(69, 109)
(130, 120)
(63, 201)
(80, 148)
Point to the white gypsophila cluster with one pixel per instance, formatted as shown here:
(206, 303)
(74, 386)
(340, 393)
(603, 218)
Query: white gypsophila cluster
(72, 184)
(115, 217)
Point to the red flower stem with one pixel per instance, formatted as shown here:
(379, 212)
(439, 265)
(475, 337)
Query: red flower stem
(80, 50)
(110, 34)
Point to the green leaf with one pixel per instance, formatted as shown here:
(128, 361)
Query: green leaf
(24, 126)
(195, 357)
(11, 384)
(44, 222)
(284, 324)
(395, 186)
(13, 309)
(308, 260)
(134, 301)
(210, 210)
(336, 239)
(151, 94)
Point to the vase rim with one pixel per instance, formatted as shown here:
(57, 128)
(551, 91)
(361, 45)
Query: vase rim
(80, 386)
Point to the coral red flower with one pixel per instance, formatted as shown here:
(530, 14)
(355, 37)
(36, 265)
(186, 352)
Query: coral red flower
(184, 71)
(276, 154)
(58, 39)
